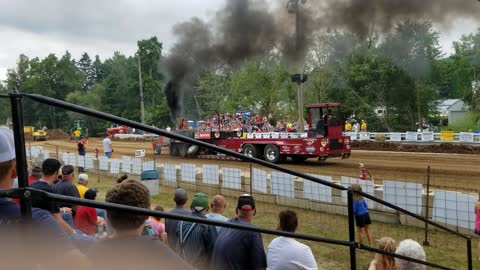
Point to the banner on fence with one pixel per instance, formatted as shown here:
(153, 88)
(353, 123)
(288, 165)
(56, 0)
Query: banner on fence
(405, 195)
(231, 178)
(364, 136)
(455, 208)
(447, 136)
(259, 180)
(136, 166)
(187, 171)
(114, 166)
(282, 184)
(103, 163)
(210, 174)
(411, 136)
(170, 172)
(126, 164)
(427, 136)
(316, 191)
(395, 137)
(466, 136)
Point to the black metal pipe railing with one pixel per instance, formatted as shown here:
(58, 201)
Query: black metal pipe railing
(20, 154)
(30, 193)
(120, 120)
(25, 193)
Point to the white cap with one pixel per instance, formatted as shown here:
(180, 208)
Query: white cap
(83, 178)
(7, 144)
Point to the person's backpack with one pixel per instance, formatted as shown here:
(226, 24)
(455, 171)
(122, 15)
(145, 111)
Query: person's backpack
(148, 229)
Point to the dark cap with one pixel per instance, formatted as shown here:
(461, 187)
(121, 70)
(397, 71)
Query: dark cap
(36, 172)
(50, 166)
(67, 169)
(246, 202)
(90, 194)
(180, 195)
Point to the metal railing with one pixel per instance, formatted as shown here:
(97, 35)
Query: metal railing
(25, 194)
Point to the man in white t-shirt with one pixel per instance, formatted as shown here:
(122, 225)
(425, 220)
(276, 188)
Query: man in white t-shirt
(287, 253)
(218, 207)
(107, 146)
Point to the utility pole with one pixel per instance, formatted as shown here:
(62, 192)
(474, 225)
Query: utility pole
(293, 7)
(142, 103)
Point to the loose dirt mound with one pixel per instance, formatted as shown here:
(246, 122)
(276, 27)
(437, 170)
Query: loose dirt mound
(57, 134)
(449, 148)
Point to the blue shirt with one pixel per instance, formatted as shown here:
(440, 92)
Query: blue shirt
(217, 217)
(46, 232)
(238, 249)
(360, 207)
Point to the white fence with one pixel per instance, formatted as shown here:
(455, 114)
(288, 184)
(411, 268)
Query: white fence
(455, 209)
(410, 136)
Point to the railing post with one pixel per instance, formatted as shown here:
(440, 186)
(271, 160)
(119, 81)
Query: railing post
(351, 230)
(425, 240)
(21, 156)
(469, 253)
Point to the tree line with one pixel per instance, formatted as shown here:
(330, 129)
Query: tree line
(403, 72)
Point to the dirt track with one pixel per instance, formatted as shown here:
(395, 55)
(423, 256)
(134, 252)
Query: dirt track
(454, 171)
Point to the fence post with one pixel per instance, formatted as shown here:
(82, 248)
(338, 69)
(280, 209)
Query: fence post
(425, 240)
(21, 156)
(351, 230)
(251, 179)
(469, 253)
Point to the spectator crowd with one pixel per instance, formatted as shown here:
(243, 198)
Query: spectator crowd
(247, 123)
(78, 236)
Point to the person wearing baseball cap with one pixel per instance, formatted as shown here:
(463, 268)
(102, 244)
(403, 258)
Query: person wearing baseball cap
(180, 198)
(238, 249)
(195, 242)
(65, 186)
(82, 183)
(46, 238)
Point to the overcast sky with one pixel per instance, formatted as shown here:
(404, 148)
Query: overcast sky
(39, 27)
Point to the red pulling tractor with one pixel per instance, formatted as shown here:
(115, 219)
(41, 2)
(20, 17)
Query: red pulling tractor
(323, 139)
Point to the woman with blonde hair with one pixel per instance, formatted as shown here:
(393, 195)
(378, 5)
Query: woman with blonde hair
(381, 261)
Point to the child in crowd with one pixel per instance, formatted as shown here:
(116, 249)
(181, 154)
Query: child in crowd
(157, 225)
(362, 218)
(384, 262)
(86, 219)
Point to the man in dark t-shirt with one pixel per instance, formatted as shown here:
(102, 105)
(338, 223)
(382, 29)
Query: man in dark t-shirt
(65, 186)
(237, 249)
(180, 197)
(81, 151)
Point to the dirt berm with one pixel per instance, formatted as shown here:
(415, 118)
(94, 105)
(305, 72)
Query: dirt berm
(450, 148)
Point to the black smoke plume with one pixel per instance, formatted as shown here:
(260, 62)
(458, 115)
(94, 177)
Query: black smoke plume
(244, 29)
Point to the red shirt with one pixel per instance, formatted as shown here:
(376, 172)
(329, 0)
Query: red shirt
(86, 219)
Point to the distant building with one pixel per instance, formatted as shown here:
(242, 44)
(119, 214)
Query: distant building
(455, 110)
(381, 111)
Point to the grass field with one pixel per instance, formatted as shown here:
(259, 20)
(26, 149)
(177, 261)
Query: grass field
(444, 249)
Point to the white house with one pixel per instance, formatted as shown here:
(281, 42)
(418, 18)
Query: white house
(454, 109)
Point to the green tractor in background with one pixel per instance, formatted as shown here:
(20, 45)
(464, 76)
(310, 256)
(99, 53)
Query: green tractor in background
(81, 126)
